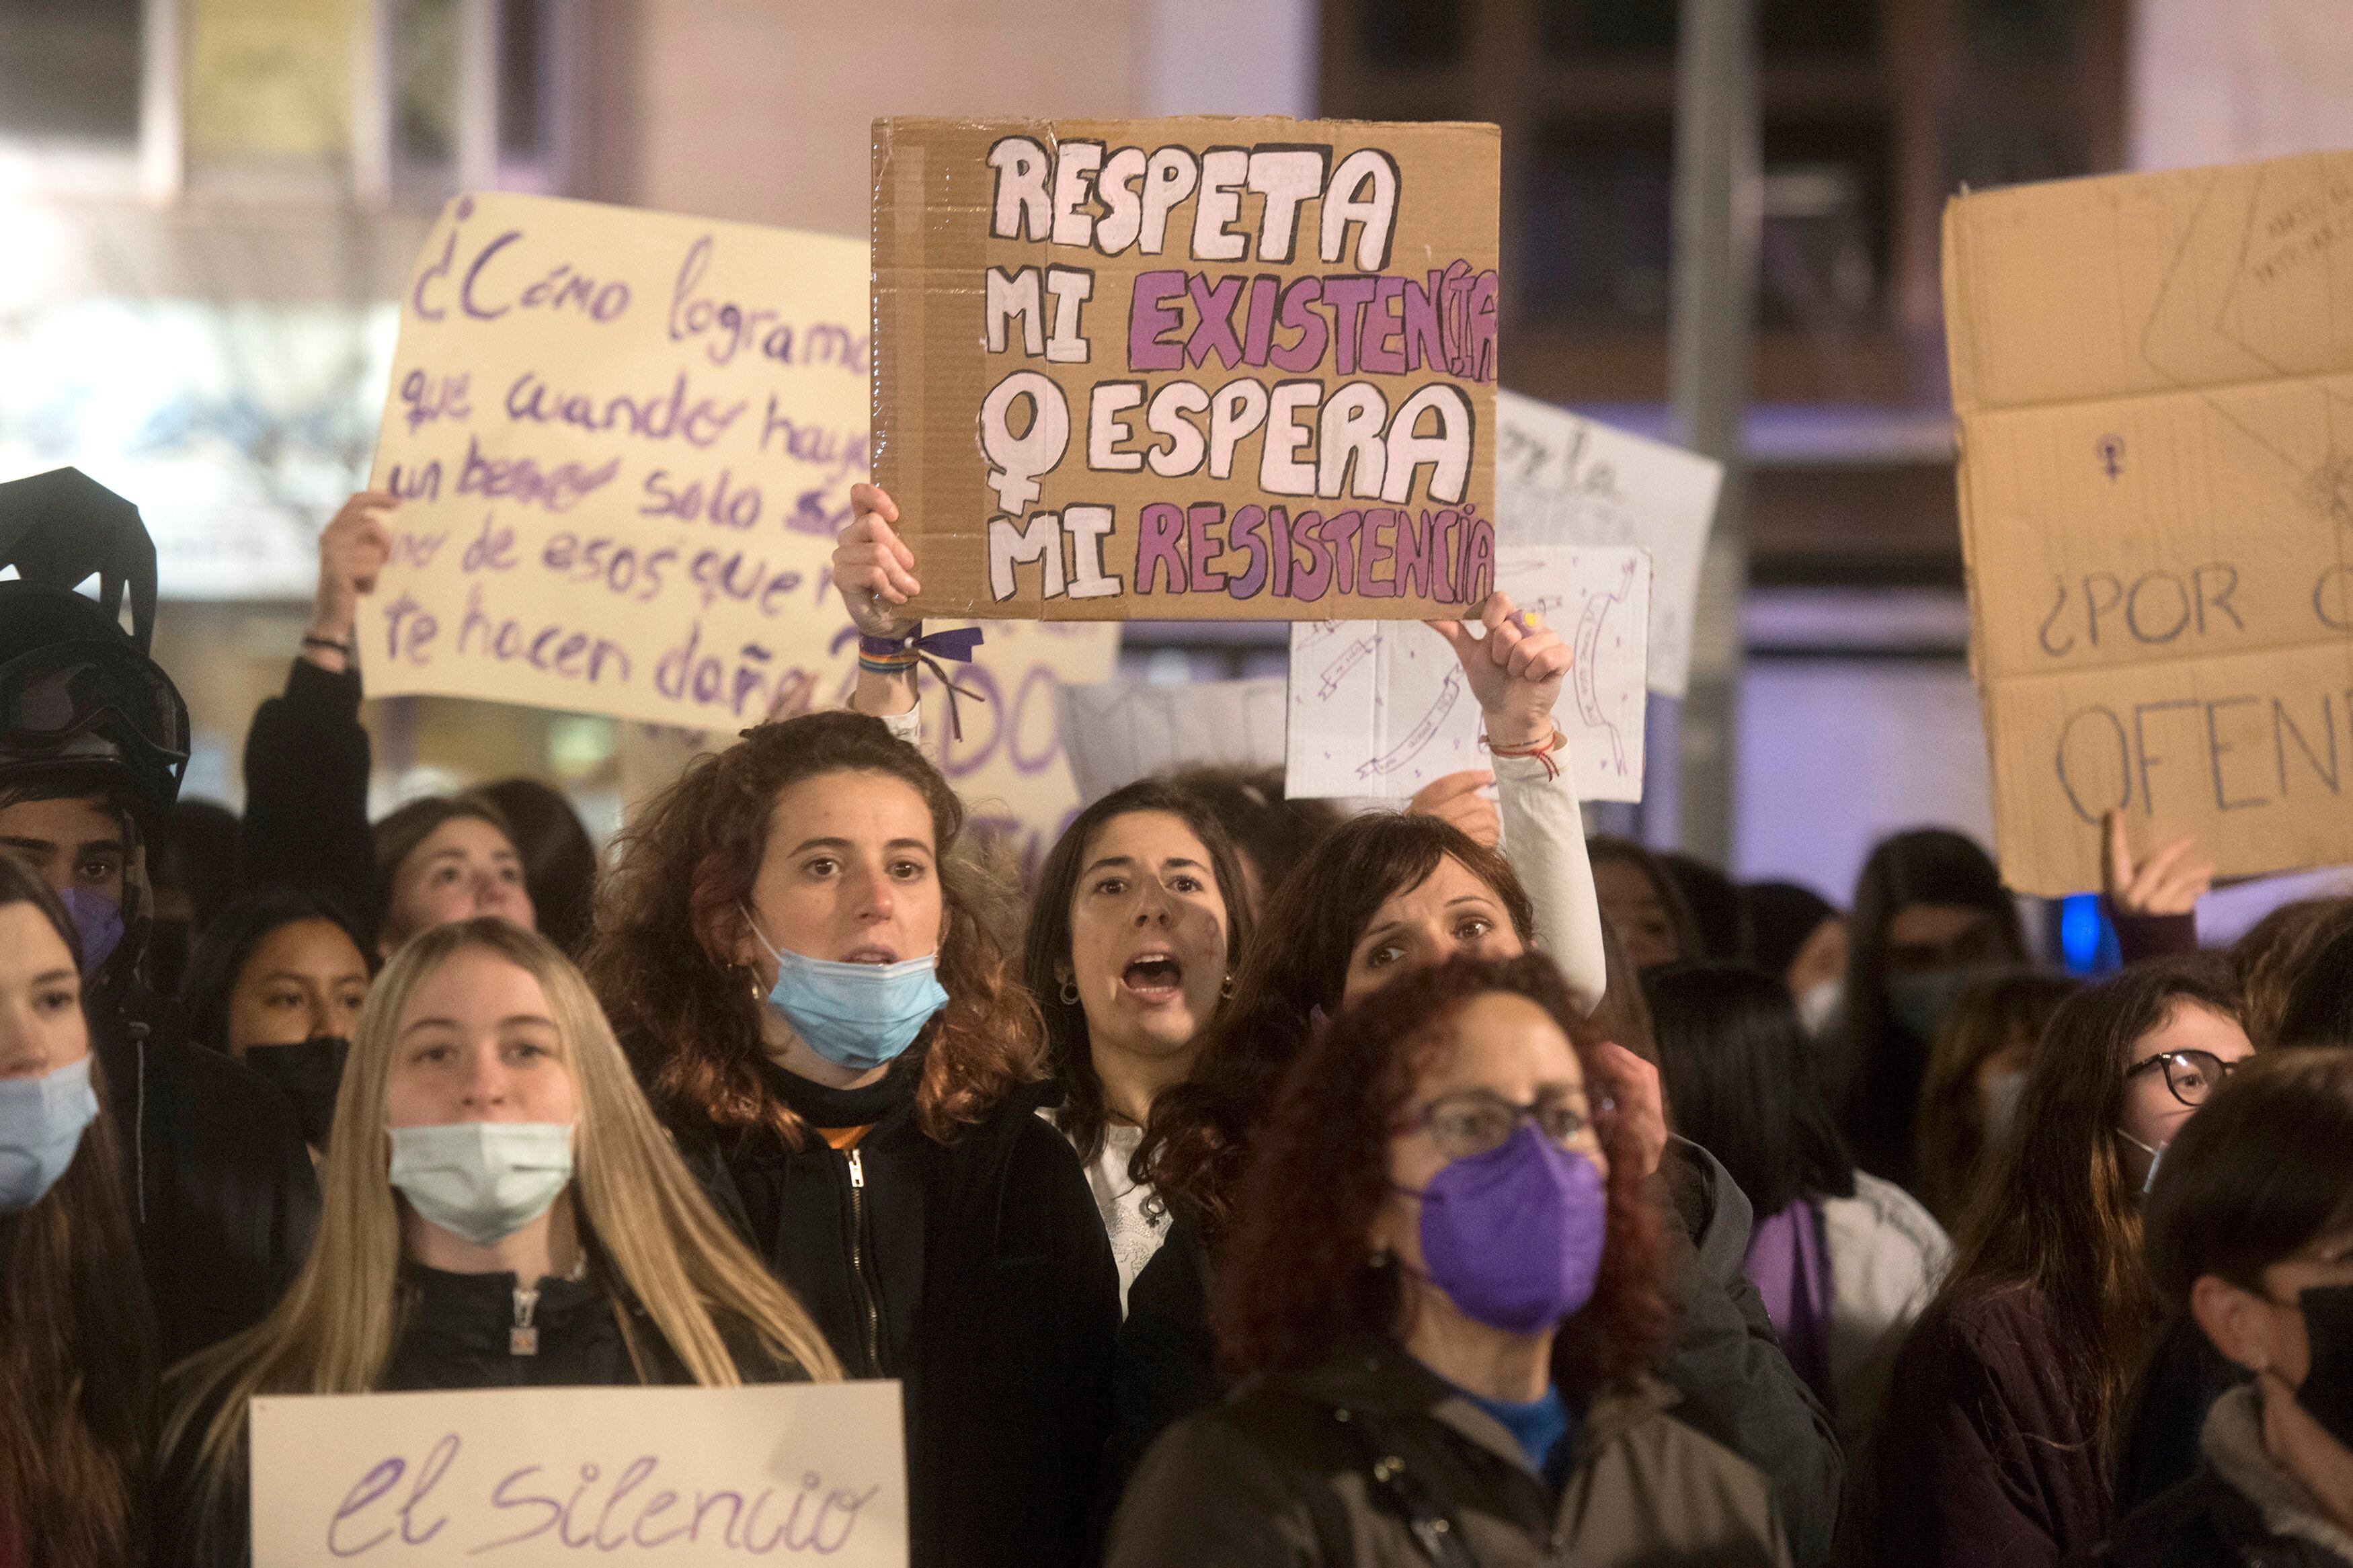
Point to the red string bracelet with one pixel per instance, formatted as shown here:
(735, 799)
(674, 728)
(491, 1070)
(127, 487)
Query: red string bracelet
(1540, 750)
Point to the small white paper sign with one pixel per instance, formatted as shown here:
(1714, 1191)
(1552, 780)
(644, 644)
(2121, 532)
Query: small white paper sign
(1116, 733)
(1379, 709)
(1563, 479)
(531, 1477)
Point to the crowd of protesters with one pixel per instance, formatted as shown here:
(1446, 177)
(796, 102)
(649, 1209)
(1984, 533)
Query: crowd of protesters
(1263, 1186)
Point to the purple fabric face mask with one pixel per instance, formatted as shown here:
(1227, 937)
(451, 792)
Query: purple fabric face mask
(98, 921)
(1513, 1237)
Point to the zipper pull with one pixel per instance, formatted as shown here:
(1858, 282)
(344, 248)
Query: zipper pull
(523, 1338)
(857, 1169)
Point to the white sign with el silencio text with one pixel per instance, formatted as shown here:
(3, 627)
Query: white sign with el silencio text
(531, 1477)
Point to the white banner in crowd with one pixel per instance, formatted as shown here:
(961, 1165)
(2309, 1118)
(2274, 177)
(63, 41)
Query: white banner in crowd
(1115, 735)
(533, 1477)
(1564, 479)
(1380, 709)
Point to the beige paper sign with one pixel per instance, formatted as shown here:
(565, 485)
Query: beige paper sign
(1202, 369)
(533, 1477)
(624, 441)
(2153, 382)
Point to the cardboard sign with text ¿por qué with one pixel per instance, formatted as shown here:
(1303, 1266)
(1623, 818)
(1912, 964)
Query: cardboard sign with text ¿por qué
(2153, 375)
(1200, 369)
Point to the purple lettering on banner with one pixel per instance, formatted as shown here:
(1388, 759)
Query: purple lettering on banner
(429, 399)
(1344, 530)
(380, 1479)
(1313, 581)
(1149, 320)
(1442, 530)
(407, 631)
(1377, 553)
(466, 300)
(1477, 576)
(1300, 315)
(1160, 527)
(501, 1501)
(656, 419)
(1200, 549)
(437, 1464)
(1257, 336)
(660, 1503)
(1214, 320)
(1278, 524)
(1383, 328)
(417, 484)
(1425, 338)
(1412, 554)
(1248, 535)
(1482, 354)
(1347, 295)
(555, 490)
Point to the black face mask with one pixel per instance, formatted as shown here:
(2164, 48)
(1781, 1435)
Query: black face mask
(2326, 1391)
(309, 1072)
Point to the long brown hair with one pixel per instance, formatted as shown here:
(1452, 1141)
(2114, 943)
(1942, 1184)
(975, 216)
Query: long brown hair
(1949, 1129)
(672, 913)
(77, 1343)
(2279, 960)
(2059, 1216)
(1193, 1149)
(1296, 1280)
(1070, 1051)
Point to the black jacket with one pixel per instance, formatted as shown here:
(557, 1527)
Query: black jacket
(457, 1332)
(306, 781)
(222, 1192)
(1736, 1385)
(976, 1272)
(2185, 1375)
(2206, 1522)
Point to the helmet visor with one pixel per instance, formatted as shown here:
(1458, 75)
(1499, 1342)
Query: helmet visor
(54, 696)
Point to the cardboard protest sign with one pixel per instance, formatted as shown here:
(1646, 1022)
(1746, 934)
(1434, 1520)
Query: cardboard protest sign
(1561, 479)
(1378, 711)
(624, 442)
(540, 1476)
(1117, 735)
(2149, 374)
(1200, 369)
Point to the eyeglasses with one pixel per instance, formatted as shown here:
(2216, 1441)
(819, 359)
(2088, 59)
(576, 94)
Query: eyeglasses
(1476, 1121)
(2191, 1075)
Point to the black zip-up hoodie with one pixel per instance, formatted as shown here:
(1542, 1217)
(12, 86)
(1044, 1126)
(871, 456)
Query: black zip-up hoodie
(976, 1272)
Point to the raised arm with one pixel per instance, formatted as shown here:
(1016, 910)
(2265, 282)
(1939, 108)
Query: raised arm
(1515, 671)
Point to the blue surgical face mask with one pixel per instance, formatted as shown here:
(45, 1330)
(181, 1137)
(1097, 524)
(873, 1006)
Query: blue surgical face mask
(41, 1124)
(858, 1016)
(483, 1181)
(98, 921)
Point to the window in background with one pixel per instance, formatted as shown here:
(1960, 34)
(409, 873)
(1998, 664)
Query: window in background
(69, 72)
(268, 87)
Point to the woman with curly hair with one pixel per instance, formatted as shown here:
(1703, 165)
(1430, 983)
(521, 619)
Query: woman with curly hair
(794, 952)
(1447, 1283)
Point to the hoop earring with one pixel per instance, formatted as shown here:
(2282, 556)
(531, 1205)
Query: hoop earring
(1226, 989)
(1069, 992)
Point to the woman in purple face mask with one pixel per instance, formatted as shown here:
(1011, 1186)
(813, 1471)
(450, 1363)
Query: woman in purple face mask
(1448, 1284)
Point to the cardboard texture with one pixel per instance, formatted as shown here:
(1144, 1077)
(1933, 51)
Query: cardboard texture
(1562, 479)
(1378, 711)
(537, 1475)
(1195, 369)
(2153, 376)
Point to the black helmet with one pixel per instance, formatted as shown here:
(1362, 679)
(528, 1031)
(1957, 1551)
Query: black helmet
(81, 704)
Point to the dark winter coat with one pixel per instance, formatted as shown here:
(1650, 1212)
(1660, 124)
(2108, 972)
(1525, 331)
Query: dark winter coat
(223, 1197)
(1368, 1459)
(1984, 1453)
(976, 1272)
(307, 758)
(2241, 1509)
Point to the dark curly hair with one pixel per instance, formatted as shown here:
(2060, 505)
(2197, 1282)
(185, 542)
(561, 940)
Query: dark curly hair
(1297, 1277)
(1192, 1151)
(1069, 1052)
(672, 913)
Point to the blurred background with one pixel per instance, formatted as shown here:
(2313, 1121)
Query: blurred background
(1720, 227)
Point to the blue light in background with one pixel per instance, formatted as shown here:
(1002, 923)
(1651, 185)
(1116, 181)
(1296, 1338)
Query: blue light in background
(2087, 942)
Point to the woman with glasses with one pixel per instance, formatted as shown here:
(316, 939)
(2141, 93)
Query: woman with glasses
(1447, 1284)
(2011, 1391)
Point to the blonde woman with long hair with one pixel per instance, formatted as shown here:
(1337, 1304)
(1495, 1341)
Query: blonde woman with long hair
(502, 1210)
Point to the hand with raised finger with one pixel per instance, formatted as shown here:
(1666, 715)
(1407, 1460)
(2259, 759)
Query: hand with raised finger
(1456, 798)
(2169, 883)
(1515, 670)
(1641, 1105)
(353, 549)
(873, 567)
